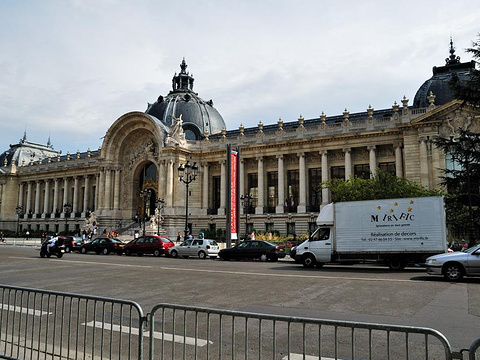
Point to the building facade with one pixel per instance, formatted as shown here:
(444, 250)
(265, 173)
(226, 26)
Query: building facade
(281, 164)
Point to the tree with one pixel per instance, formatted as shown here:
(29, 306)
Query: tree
(469, 90)
(462, 180)
(383, 185)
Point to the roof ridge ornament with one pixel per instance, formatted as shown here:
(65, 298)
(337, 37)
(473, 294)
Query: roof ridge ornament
(452, 59)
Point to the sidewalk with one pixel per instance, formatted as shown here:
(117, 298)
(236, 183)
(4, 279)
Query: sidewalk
(21, 242)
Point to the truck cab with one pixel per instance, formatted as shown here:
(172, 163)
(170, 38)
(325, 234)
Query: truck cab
(317, 250)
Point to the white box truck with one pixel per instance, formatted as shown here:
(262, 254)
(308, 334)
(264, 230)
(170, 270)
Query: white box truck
(395, 232)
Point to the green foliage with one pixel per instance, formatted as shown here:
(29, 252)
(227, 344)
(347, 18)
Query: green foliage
(217, 234)
(469, 91)
(383, 185)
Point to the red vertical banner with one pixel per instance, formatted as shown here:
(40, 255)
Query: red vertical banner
(233, 195)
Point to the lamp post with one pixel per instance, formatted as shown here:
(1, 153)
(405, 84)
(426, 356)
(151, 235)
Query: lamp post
(160, 204)
(145, 195)
(186, 174)
(246, 200)
(19, 211)
(67, 209)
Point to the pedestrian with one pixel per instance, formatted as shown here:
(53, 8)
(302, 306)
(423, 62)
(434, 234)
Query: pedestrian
(27, 235)
(2, 238)
(179, 238)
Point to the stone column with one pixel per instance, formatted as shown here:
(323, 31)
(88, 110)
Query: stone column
(162, 181)
(302, 201)
(241, 184)
(46, 199)
(348, 162)
(96, 203)
(223, 187)
(261, 187)
(86, 196)
(29, 197)
(423, 163)
(325, 176)
(56, 192)
(108, 189)
(373, 160)
(75, 196)
(398, 159)
(65, 195)
(101, 189)
(20, 194)
(37, 198)
(169, 199)
(205, 186)
(117, 187)
(281, 185)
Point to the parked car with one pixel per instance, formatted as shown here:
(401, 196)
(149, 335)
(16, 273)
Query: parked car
(196, 247)
(149, 244)
(103, 245)
(253, 249)
(454, 266)
(72, 243)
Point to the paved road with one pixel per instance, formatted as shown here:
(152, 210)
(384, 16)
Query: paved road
(358, 293)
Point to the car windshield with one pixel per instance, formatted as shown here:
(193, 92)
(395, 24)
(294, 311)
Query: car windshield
(472, 249)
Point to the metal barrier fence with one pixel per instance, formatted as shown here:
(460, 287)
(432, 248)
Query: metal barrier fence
(40, 324)
(202, 333)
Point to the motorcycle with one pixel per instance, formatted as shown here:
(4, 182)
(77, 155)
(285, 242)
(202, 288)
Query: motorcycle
(58, 249)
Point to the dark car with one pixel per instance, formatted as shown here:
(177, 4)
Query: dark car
(103, 245)
(149, 244)
(253, 249)
(77, 242)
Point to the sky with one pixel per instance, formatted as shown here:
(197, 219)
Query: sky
(70, 68)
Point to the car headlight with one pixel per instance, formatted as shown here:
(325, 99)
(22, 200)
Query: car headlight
(431, 261)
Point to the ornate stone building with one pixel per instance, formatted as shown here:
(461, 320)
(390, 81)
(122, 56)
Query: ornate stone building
(281, 164)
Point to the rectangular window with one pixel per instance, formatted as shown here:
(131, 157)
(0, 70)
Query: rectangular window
(314, 191)
(215, 192)
(388, 167)
(290, 228)
(362, 171)
(292, 191)
(311, 227)
(337, 172)
(253, 191)
(272, 189)
(269, 227)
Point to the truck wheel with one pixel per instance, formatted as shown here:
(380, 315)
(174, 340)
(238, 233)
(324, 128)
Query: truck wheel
(308, 261)
(453, 271)
(396, 264)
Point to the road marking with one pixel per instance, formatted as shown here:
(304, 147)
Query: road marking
(24, 310)
(196, 270)
(63, 260)
(156, 335)
(307, 357)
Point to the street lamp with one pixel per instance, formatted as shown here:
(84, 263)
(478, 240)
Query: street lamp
(160, 204)
(145, 195)
(67, 209)
(19, 211)
(246, 200)
(186, 174)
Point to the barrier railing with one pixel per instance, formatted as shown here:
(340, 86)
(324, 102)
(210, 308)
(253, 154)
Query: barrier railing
(40, 324)
(187, 332)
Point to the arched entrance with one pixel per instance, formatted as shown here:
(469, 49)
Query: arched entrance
(148, 182)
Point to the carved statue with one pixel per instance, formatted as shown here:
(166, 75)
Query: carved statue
(176, 136)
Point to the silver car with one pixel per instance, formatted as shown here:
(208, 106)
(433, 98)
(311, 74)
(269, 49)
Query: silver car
(454, 266)
(197, 247)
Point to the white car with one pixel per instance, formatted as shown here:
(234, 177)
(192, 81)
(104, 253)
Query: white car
(197, 247)
(454, 266)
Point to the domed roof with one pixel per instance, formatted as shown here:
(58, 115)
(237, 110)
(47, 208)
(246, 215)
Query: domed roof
(439, 83)
(26, 152)
(198, 115)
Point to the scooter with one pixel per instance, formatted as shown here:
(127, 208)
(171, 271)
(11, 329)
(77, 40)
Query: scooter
(58, 249)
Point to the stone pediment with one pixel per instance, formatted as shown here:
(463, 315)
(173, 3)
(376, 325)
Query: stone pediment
(450, 117)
